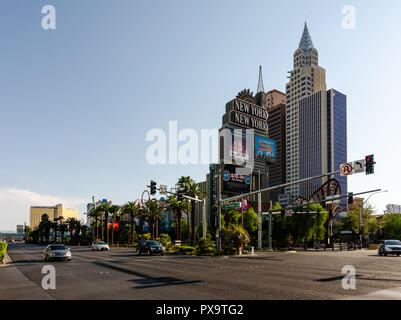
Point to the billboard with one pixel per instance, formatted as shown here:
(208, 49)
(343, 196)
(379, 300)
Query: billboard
(233, 182)
(265, 149)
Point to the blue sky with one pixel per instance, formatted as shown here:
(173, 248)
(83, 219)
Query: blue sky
(76, 102)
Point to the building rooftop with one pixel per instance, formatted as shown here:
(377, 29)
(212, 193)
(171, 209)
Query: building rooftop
(306, 44)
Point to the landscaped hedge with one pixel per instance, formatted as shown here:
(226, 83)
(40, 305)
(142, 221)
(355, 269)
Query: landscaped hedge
(3, 248)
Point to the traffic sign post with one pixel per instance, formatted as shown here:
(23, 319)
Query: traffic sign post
(232, 205)
(163, 189)
(346, 169)
(359, 166)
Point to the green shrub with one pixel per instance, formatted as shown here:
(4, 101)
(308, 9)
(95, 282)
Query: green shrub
(3, 249)
(165, 240)
(229, 250)
(144, 236)
(185, 249)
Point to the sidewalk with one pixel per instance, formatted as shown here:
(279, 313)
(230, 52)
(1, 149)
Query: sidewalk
(15, 286)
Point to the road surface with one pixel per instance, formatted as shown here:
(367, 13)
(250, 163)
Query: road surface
(122, 274)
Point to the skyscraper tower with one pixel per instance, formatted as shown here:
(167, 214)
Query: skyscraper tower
(306, 78)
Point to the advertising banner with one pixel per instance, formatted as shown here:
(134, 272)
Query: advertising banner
(265, 149)
(233, 182)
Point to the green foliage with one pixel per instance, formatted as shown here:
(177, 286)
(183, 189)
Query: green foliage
(237, 235)
(299, 228)
(144, 236)
(185, 249)
(392, 226)
(229, 250)
(184, 228)
(3, 249)
(276, 206)
(251, 220)
(165, 240)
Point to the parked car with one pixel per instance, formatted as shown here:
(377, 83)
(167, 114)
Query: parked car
(100, 245)
(57, 252)
(389, 247)
(150, 247)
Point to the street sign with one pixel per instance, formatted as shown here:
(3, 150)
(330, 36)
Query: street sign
(359, 166)
(231, 205)
(163, 189)
(346, 169)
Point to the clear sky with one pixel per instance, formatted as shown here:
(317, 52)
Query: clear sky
(76, 102)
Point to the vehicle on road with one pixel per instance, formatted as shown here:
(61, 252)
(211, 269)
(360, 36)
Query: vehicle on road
(389, 247)
(150, 247)
(100, 245)
(57, 252)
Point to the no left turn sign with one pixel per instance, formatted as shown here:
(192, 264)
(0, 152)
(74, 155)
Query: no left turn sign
(346, 169)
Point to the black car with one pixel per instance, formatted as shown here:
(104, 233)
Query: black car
(150, 247)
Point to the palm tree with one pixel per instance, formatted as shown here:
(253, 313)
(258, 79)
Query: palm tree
(191, 189)
(106, 210)
(44, 227)
(63, 228)
(55, 227)
(72, 226)
(114, 210)
(95, 213)
(152, 213)
(176, 207)
(238, 235)
(131, 209)
(183, 184)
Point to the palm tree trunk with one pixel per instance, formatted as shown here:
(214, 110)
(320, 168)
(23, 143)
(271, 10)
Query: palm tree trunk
(102, 228)
(193, 222)
(112, 231)
(132, 228)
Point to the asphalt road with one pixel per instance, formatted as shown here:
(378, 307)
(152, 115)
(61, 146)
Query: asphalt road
(122, 274)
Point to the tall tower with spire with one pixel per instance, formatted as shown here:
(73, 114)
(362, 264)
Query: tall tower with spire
(260, 91)
(306, 78)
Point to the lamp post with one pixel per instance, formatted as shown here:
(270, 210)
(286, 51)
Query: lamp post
(360, 216)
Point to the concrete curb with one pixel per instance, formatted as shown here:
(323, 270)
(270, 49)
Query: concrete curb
(6, 260)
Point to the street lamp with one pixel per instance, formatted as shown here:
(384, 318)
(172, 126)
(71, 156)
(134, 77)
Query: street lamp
(360, 216)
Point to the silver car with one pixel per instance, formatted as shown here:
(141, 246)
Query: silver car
(389, 247)
(57, 252)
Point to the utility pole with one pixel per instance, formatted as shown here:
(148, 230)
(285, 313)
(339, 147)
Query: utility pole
(204, 218)
(270, 228)
(259, 221)
(219, 208)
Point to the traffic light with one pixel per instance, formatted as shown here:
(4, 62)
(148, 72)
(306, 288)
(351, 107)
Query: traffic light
(152, 187)
(370, 164)
(180, 194)
(360, 230)
(350, 198)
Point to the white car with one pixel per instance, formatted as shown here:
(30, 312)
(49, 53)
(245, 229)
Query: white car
(100, 245)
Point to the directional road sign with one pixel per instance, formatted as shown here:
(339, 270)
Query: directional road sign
(231, 205)
(359, 166)
(163, 189)
(346, 169)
